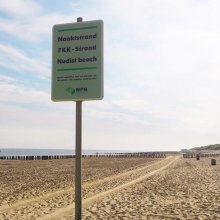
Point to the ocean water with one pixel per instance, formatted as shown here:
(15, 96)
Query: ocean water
(42, 152)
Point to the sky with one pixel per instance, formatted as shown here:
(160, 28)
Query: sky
(161, 75)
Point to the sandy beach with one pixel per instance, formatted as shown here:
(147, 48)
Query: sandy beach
(113, 188)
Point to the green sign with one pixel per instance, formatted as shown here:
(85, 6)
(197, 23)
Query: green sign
(77, 61)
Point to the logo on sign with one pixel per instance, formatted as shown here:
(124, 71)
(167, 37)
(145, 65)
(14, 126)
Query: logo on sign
(72, 90)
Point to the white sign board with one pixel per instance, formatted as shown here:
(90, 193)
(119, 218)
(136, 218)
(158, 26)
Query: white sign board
(77, 61)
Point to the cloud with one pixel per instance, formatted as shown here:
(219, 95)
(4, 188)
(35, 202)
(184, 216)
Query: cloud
(29, 21)
(35, 30)
(32, 119)
(20, 8)
(161, 71)
(24, 127)
(161, 67)
(14, 93)
(15, 59)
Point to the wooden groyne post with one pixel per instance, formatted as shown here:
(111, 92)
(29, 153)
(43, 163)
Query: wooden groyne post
(213, 162)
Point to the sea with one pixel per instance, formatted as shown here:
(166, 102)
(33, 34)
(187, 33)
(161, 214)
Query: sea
(42, 152)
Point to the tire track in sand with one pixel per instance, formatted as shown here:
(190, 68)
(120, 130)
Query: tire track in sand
(30, 201)
(58, 214)
(5, 208)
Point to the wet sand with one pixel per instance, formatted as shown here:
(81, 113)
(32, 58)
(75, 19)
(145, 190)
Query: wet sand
(113, 188)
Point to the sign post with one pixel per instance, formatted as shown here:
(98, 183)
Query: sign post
(77, 75)
(78, 153)
(78, 163)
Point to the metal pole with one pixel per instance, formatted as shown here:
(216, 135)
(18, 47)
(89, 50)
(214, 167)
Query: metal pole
(78, 166)
(78, 152)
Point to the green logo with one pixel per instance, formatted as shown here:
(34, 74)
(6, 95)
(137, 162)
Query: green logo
(71, 90)
(80, 90)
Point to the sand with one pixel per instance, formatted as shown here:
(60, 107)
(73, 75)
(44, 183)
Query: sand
(113, 188)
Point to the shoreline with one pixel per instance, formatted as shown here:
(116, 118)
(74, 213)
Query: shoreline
(55, 157)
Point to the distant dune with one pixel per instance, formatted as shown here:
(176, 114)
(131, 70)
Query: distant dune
(209, 147)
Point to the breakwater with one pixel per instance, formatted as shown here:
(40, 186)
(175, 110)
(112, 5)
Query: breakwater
(55, 157)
